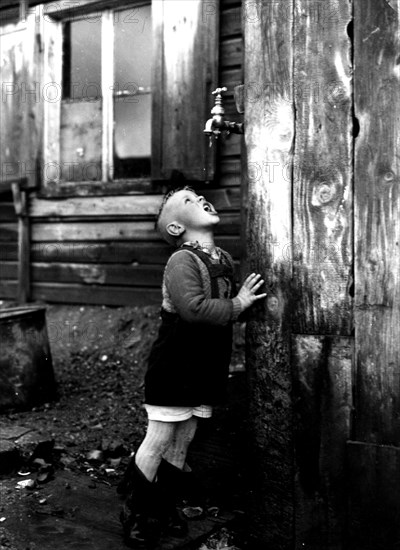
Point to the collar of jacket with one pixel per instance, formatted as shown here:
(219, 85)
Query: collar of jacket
(214, 253)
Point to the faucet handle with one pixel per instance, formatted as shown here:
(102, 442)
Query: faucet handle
(220, 90)
(218, 109)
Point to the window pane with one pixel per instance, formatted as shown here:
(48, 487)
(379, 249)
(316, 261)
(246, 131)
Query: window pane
(82, 59)
(132, 106)
(81, 140)
(133, 47)
(132, 137)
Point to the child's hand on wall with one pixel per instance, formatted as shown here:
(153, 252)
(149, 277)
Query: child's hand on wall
(247, 293)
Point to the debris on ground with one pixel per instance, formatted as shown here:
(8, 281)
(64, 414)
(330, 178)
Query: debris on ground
(224, 539)
(99, 358)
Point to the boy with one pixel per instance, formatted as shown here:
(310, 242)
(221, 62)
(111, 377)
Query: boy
(188, 365)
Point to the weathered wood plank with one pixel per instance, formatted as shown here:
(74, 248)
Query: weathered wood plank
(374, 498)
(112, 230)
(100, 274)
(231, 78)
(7, 212)
(186, 66)
(86, 294)
(231, 22)
(377, 221)
(269, 124)
(231, 52)
(148, 252)
(51, 66)
(231, 112)
(322, 396)
(230, 146)
(230, 3)
(113, 252)
(133, 205)
(21, 209)
(8, 232)
(8, 251)
(322, 192)
(13, 75)
(90, 273)
(231, 173)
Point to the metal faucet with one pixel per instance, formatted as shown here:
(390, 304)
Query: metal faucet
(217, 124)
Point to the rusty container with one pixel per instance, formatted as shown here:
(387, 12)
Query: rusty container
(26, 369)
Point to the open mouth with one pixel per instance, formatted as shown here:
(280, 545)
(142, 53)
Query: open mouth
(208, 207)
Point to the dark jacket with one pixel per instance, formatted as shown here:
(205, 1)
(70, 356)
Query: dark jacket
(189, 361)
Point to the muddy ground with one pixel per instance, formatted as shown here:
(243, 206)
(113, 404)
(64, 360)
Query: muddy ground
(97, 419)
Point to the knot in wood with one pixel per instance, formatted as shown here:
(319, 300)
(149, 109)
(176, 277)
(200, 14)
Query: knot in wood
(272, 304)
(389, 176)
(325, 193)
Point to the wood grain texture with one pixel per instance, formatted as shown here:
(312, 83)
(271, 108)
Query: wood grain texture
(99, 274)
(231, 77)
(149, 252)
(374, 504)
(186, 71)
(75, 229)
(8, 232)
(322, 396)
(377, 221)
(134, 205)
(231, 22)
(232, 52)
(322, 171)
(92, 273)
(60, 293)
(51, 61)
(269, 124)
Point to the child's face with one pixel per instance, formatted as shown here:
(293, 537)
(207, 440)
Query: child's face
(193, 211)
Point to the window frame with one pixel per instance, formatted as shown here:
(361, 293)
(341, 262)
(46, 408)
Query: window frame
(53, 17)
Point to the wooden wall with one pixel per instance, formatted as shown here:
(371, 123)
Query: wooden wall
(104, 249)
(298, 59)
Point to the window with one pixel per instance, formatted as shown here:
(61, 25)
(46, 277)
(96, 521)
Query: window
(135, 82)
(106, 93)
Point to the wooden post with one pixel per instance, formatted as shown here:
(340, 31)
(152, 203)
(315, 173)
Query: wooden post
(21, 210)
(322, 269)
(377, 274)
(298, 120)
(269, 125)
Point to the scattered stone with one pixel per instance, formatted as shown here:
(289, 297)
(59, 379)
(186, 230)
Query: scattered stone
(221, 540)
(26, 484)
(95, 456)
(192, 512)
(97, 426)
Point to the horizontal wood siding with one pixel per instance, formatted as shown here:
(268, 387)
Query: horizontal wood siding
(104, 249)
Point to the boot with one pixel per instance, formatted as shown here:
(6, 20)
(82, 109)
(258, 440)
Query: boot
(184, 485)
(142, 514)
(124, 487)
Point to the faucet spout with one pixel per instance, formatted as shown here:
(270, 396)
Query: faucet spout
(208, 129)
(217, 124)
